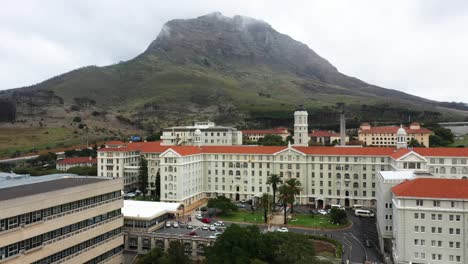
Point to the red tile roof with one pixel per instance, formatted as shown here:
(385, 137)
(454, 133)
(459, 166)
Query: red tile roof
(115, 142)
(279, 130)
(322, 133)
(393, 130)
(433, 188)
(399, 153)
(77, 160)
(155, 147)
(442, 152)
(346, 151)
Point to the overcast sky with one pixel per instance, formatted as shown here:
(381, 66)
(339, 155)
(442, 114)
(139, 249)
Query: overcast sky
(419, 47)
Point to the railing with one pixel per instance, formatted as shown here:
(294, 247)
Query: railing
(81, 230)
(87, 249)
(82, 208)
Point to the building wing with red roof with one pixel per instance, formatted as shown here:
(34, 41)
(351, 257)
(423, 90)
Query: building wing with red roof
(65, 164)
(433, 188)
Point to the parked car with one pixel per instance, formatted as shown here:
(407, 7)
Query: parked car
(199, 217)
(204, 227)
(193, 233)
(189, 227)
(322, 211)
(129, 195)
(175, 224)
(219, 223)
(215, 235)
(168, 224)
(206, 220)
(203, 209)
(212, 227)
(282, 229)
(241, 205)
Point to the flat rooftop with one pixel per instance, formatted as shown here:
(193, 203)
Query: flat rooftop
(16, 186)
(397, 175)
(145, 210)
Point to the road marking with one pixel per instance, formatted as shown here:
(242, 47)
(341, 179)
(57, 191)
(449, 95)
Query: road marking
(365, 251)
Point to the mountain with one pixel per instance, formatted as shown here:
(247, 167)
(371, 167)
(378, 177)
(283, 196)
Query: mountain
(238, 71)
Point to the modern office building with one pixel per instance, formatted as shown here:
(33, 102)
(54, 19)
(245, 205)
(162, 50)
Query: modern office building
(60, 219)
(430, 221)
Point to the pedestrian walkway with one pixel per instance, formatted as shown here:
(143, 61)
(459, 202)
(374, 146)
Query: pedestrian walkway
(277, 219)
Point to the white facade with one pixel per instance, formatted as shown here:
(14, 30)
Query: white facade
(430, 230)
(301, 128)
(210, 135)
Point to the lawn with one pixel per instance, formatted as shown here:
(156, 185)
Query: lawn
(244, 216)
(316, 221)
(463, 142)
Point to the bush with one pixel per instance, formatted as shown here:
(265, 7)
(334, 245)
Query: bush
(77, 119)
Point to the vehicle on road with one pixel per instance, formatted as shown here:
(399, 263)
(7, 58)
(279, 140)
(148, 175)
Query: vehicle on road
(368, 244)
(282, 229)
(189, 227)
(357, 206)
(168, 224)
(363, 213)
(219, 223)
(199, 217)
(204, 227)
(212, 227)
(175, 224)
(322, 211)
(215, 235)
(206, 220)
(193, 233)
(241, 205)
(337, 206)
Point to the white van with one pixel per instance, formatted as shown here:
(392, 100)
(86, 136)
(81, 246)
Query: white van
(363, 213)
(337, 206)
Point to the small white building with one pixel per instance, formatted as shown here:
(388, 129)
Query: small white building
(201, 133)
(67, 163)
(144, 216)
(430, 221)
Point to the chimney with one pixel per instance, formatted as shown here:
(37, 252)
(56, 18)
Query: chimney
(342, 124)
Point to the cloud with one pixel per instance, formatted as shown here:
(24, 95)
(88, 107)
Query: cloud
(417, 47)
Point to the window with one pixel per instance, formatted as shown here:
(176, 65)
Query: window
(436, 203)
(419, 203)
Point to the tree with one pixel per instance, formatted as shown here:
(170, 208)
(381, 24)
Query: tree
(294, 186)
(143, 175)
(414, 143)
(285, 197)
(154, 137)
(274, 180)
(338, 216)
(223, 204)
(248, 245)
(176, 253)
(265, 202)
(77, 119)
(157, 186)
(271, 140)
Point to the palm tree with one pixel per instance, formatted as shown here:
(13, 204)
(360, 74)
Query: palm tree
(274, 180)
(285, 197)
(294, 187)
(265, 202)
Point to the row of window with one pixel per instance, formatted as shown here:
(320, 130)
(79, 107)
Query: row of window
(438, 217)
(36, 241)
(79, 247)
(39, 215)
(105, 256)
(437, 243)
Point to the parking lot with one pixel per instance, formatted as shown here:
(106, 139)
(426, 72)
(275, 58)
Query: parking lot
(197, 229)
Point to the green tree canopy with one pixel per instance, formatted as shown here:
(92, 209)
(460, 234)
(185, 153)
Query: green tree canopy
(143, 175)
(223, 204)
(239, 245)
(272, 140)
(338, 216)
